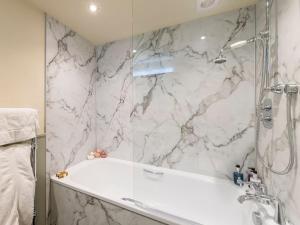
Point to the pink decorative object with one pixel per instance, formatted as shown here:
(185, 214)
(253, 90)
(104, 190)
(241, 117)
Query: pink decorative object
(103, 154)
(97, 154)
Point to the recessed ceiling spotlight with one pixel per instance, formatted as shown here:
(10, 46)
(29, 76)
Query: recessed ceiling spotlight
(206, 4)
(203, 37)
(93, 7)
(133, 51)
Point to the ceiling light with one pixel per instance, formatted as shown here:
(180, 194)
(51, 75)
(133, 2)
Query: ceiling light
(206, 4)
(93, 7)
(134, 51)
(203, 37)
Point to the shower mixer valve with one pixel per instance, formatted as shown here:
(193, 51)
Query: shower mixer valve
(266, 107)
(276, 89)
(291, 89)
(266, 113)
(284, 88)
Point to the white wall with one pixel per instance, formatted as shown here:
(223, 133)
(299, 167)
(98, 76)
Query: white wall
(22, 56)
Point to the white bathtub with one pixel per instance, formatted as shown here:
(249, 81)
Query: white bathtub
(169, 196)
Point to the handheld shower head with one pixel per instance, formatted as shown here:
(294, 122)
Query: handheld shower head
(238, 44)
(222, 59)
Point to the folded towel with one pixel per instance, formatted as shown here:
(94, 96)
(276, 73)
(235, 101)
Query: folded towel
(17, 124)
(17, 182)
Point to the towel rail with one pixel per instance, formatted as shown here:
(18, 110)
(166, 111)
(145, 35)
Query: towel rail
(17, 142)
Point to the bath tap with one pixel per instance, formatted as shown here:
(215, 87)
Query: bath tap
(264, 199)
(259, 188)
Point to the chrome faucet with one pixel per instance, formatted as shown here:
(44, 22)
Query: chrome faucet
(264, 199)
(259, 188)
(279, 216)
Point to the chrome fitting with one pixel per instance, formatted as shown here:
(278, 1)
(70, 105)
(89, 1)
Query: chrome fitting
(277, 89)
(291, 89)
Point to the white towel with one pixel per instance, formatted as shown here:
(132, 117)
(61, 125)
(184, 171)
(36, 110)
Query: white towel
(17, 182)
(17, 185)
(17, 124)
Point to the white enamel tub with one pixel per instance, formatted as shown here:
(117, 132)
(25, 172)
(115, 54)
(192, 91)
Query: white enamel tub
(169, 196)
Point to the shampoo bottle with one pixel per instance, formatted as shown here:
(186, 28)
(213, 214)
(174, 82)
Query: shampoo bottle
(238, 177)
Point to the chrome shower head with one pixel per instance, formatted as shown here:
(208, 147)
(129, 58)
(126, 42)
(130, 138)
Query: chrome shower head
(220, 59)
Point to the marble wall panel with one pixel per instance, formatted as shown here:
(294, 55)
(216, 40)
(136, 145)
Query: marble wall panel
(161, 99)
(273, 143)
(75, 208)
(71, 73)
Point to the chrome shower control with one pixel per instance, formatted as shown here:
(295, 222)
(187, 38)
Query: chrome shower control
(266, 113)
(266, 107)
(267, 119)
(291, 89)
(277, 89)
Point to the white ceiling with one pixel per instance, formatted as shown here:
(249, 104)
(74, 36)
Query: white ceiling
(118, 19)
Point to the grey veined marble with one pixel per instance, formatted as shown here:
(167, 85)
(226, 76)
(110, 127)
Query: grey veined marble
(75, 208)
(71, 74)
(285, 64)
(161, 100)
(70, 96)
(157, 99)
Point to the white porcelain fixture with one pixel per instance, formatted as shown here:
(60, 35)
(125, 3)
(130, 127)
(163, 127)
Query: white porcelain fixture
(169, 196)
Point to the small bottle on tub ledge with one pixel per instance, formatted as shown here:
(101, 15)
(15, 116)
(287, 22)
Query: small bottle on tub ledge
(250, 173)
(238, 176)
(255, 178)
(91, 156)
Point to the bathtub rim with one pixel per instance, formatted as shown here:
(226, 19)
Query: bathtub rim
(171, 220)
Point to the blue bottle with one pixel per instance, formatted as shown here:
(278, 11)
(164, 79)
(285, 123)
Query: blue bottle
(238, 177)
